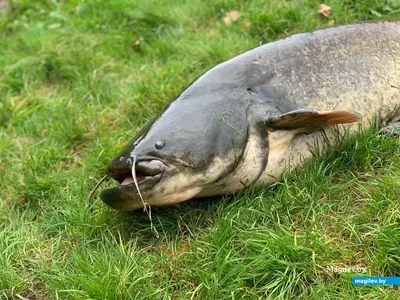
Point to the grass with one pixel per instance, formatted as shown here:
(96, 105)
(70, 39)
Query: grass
(79, 78)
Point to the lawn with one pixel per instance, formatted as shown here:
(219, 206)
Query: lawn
(79, 78)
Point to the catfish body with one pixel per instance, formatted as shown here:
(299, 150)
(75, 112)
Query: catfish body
(247, 120)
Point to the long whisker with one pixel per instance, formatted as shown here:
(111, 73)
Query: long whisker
(136, 183)
(145, 204)
(91, 194)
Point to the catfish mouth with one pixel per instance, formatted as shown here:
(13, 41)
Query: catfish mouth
(126, 196)
(145, 171)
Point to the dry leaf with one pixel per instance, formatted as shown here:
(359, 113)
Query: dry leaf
(325, 10)
(137, 43)
(231, 17)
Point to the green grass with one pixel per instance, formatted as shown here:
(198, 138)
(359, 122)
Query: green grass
(74, 88)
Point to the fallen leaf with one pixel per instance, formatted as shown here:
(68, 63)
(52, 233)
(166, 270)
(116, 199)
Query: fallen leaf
(331, 22)
(137, 43)
(325, 10)
(231, 17)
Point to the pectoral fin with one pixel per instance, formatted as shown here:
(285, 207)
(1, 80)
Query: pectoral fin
(310, 120)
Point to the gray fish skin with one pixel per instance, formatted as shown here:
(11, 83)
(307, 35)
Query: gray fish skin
(214, 138)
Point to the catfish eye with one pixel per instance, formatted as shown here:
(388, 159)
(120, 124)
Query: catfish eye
(159, 145)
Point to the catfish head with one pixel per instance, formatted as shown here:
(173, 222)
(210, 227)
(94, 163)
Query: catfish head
(186, 152)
